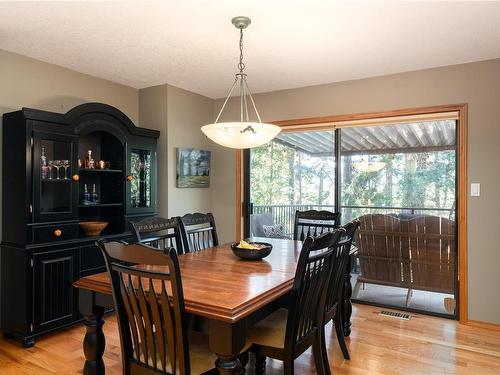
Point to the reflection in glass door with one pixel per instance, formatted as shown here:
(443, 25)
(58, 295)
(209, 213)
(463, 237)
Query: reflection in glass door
(295, 171)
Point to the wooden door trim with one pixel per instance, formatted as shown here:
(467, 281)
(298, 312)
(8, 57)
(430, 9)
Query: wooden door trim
(462, 178)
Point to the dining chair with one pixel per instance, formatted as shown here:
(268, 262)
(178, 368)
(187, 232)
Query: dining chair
(158, 232)
(314, 223)
(198, 231)
(150, 310)
(286, 333)
(334, 291)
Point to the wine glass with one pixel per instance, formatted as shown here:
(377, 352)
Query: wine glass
(57, 165)
(51, 165)
(65, 165)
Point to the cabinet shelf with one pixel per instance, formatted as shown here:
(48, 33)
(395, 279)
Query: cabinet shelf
(88, 170)
(100, 205)
(55, 180)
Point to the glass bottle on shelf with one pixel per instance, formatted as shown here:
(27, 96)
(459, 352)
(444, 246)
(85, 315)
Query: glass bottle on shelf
(86, 195)
(44, 163)
(89, 160)
(95, 196)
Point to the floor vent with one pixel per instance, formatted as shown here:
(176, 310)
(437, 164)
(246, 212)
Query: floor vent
(394, 314)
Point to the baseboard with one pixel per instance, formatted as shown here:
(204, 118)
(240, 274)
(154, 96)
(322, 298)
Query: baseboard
(486, 325)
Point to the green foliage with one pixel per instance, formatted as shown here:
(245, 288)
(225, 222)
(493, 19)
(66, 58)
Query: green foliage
(281, 175)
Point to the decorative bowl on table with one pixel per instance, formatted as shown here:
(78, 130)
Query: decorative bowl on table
(93, 228)
(251, 250)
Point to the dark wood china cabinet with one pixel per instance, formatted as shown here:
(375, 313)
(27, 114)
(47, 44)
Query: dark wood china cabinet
(49, 189)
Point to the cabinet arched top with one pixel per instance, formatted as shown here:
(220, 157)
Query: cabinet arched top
(86, 115)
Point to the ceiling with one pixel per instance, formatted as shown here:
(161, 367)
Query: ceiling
(192, 44)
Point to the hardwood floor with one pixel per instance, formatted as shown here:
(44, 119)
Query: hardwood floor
(378, 345)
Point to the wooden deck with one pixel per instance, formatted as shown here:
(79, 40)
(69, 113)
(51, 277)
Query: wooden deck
(378, 345)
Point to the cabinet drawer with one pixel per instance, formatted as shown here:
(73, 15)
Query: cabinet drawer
(91, 260)
(49, 233)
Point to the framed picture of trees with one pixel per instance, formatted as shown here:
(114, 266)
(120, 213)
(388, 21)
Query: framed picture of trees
(193, 168)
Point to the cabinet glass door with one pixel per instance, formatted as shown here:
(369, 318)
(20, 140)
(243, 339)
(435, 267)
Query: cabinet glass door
(141, 180)
(53, 163)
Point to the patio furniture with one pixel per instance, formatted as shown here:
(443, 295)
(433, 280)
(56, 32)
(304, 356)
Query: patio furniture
(314, 223)
(257, 222)
(413, 252)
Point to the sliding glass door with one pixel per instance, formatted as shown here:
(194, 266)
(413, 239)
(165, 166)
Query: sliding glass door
(295, 171)
(398, 179)
(400, 182)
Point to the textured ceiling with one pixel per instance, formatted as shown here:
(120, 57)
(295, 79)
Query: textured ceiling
(192, 44)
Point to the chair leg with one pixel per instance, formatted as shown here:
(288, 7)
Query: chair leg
(244, 357)
(320, 354)
(340, 335)
(324, 351)
(288, 368)
(260, 364)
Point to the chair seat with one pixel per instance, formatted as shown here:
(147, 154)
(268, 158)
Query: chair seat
(270, 331)
(201, 358)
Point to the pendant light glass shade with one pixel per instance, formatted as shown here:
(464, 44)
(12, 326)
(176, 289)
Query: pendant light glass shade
(232, 134)
(243, 133)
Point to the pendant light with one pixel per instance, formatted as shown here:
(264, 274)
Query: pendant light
(243, 133)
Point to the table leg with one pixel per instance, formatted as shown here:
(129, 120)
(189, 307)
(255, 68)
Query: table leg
(226, 341)
(94, 341)
(346, 298)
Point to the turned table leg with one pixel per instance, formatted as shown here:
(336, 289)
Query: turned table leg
(226, 341)
(94, 342)
(346, 298)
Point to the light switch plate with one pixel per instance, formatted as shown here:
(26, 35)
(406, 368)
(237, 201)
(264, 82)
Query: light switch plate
(475, 189)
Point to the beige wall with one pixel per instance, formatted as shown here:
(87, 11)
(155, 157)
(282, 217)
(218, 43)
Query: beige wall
(187, 112)
(477, 84)
(25, 82)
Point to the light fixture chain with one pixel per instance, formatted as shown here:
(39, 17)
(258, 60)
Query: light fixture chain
(241, 65)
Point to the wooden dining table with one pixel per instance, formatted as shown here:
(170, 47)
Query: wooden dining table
(232, 294)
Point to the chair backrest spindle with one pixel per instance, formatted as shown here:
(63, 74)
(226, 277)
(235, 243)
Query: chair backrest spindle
(314, 223)
(198, 231)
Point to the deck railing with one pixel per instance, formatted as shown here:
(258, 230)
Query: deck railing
(285, 214)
